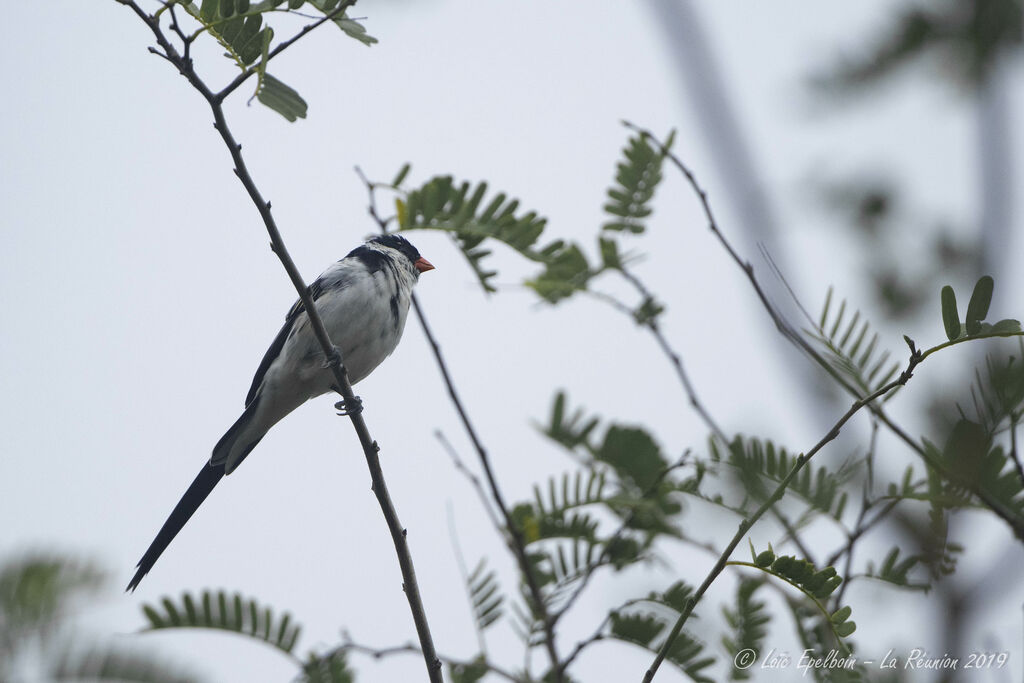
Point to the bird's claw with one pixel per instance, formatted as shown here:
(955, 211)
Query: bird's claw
(352, 406)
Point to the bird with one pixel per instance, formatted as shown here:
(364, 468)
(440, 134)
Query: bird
(363, 300)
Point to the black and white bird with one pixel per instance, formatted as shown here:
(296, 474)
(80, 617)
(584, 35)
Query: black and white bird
(363, 300)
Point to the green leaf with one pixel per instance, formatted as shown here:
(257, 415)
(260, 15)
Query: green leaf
(1007, 326)
(895, 571)
(250, 40)
(637, 178)
(761, 465)
(281, 98)
(566, 272)
(35, 591)
(400, 176)
(748, 623)
(440, 204)
(468, 672)
(816, 584)
(237, 615)
(208, 10)
(485, 595)
(841, 614)
(977, 309)
(950, 316)
(636, 628)
(634, 455)
(610, 253)
(851, 349)
(645, 629)
(965, 451)
(846, 629)
(351, 27)
(329, 668)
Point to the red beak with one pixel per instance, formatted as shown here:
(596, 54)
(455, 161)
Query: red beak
(423, 265)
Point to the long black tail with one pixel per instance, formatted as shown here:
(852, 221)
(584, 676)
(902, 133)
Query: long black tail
(208, 478)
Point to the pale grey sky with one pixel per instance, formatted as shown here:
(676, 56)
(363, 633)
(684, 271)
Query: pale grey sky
(139, 295)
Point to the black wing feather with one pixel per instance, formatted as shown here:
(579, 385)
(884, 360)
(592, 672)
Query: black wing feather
(315, 290)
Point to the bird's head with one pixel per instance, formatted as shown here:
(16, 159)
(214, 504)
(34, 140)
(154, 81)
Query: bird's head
(403, 247)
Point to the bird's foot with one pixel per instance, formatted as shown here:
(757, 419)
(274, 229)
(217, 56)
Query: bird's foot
(349, 407)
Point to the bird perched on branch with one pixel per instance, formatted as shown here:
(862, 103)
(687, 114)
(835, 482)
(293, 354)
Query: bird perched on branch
(363, 300)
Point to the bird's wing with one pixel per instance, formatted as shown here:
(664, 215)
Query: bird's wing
(315, 291)
(337, 277)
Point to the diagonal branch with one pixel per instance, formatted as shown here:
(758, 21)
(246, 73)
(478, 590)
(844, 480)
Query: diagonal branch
(674, 358)
(513, 534)
(747, 523)
(331, 352)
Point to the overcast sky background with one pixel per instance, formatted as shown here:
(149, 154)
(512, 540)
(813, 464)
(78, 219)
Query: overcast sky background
(139, 296)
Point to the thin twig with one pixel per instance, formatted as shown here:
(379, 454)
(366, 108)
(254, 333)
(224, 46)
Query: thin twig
(380, 653)
(473, 479)
(861, 529)
(331, 352)
(793, 534)
(675, 358)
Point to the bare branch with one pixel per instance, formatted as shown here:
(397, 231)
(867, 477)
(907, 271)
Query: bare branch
(380, 653)
(331, 352)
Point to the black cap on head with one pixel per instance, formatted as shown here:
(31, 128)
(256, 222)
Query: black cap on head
(398, 243)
